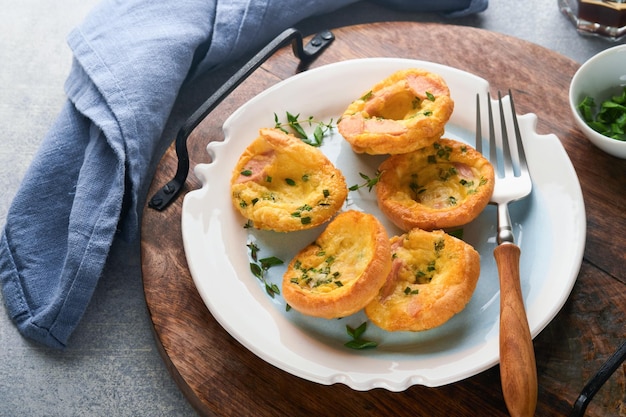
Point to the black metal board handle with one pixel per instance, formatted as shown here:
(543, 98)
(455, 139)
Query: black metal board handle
(595, 383)
(305, 53)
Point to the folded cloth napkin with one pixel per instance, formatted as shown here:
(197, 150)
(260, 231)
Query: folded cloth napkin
(86, 183)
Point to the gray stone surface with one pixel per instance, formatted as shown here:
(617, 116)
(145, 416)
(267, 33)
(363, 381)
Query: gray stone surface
(112, 367)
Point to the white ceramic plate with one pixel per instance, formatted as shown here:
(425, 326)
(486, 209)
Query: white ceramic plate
(549, 227)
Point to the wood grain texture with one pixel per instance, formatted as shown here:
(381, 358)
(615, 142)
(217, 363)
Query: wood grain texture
(221, 377)
(518, 372)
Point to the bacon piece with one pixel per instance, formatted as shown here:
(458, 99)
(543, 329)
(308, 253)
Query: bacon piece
(386, 126)
(463, 170)
(352, 125)
(390, 284)
(256, 166)
(420, 85)
(396, 265)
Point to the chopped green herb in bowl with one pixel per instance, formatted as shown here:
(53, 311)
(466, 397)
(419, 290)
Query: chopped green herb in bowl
(609, 119)
(597, 99)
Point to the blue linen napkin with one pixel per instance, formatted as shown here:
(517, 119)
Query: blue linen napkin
(84, 186)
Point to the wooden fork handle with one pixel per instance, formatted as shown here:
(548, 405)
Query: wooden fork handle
(518, 371)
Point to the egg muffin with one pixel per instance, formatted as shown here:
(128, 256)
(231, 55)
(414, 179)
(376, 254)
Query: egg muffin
(342, 271)
(404, 112)
(444, 185)
(433, 276)
(282, 184)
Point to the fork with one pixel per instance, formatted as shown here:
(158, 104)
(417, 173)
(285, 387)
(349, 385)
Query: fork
(518, 371)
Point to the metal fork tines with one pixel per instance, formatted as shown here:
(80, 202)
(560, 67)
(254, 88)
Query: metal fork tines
(518, 371)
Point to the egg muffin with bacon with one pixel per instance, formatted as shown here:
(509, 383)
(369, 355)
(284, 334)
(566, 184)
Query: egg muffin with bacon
(433, 276)
(280, 183)
(404, 112)
(342, 270)
(444, 185)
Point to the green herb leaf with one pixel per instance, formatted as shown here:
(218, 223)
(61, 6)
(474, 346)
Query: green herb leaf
(272, 289)
(293, 122)
(260, 267)
(369, 182)
(254, 249)
(357, 341)
(409, 291)
(355, 333)
(294, 125)
(367, 95)
(458, 233)
(256, 270)
(266, 263)
(610, 120)
(360, 344)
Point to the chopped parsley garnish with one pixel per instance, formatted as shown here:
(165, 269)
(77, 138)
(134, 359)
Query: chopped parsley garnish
(443, 152)
(424, 273)
(409, 291)
(445, 174)
(299, 211)
(316, 276)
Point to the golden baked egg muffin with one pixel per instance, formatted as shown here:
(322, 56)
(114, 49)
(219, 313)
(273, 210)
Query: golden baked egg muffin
(282, 184)
(433, 276)
(444, 185)
(342, 270)
(404, 112)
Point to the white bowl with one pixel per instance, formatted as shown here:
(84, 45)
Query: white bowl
(601, 76)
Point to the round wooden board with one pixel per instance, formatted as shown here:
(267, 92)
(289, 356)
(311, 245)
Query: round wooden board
(221, 377)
